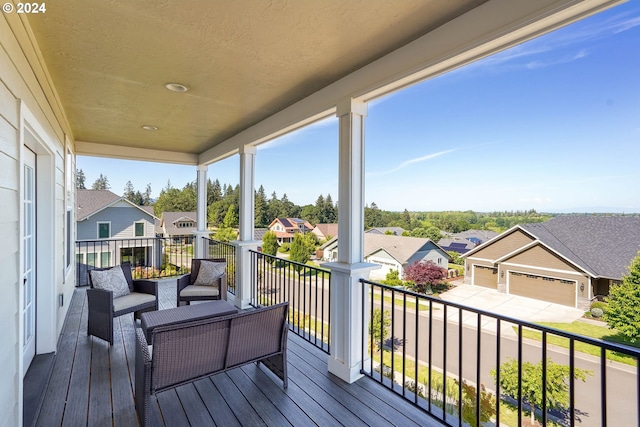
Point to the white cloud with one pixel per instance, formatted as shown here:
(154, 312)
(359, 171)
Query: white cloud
(413, 161)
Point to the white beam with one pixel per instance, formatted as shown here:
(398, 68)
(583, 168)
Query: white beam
(83, 148)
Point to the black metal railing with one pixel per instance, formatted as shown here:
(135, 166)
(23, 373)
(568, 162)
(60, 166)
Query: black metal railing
(305, 287)
(466, 366)
(151, 257)
(218, 249)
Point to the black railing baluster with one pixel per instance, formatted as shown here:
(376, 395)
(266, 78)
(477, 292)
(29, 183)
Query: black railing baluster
(416, 352)
(498, 342)
(519, 375)
(603, 388)
(572, 384)
(460, 330)
(444, 363)
(430, 348)
(478, 352)
(544, 378)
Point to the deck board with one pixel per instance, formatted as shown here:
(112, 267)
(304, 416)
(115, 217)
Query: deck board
(93, 383)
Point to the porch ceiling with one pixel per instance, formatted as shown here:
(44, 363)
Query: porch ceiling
(243, 62)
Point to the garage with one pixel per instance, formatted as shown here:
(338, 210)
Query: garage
(486, 277)
(558, 291)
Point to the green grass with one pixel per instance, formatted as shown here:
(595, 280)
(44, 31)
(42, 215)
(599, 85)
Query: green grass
(588, 330)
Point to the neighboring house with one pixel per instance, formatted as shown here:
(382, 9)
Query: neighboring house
(464, 241)
(461, 246)
(395, 231)
(393, 253)
(258, 233)
(566, 260)
(111, 230)
(286, 228)
(325, 231)
(477, 237)
(178, 226)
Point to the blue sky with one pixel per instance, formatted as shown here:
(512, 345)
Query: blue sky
(552, 125)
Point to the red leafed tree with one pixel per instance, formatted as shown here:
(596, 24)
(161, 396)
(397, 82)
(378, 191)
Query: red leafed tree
(424, 275)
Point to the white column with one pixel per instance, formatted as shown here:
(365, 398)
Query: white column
(245, 241)
(200, 246)
(347, 321)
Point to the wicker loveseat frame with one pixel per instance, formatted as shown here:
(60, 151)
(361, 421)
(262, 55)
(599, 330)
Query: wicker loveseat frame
(181, 353)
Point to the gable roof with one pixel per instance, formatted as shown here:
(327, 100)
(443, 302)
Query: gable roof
(401, 248)
(291, 223)
(397, 231)
(170, 218)
(327, 229)
(602, 246)
(458, 245)
(475, 236)
(90, 202)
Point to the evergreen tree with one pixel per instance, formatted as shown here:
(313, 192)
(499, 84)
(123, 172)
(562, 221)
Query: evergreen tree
(102, 183)
(270, 243)
(624, 299)
(146, 197)
(261, 213)
(330, 210)
(231, 218)
(80, 180)
(129, 192)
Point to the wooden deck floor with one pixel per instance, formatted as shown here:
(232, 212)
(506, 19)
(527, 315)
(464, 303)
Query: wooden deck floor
(92, 384)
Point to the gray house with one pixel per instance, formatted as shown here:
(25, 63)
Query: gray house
(392, 252)
(112, 230)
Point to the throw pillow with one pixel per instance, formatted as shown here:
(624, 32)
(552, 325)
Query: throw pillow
(111, 280)
(209, 273)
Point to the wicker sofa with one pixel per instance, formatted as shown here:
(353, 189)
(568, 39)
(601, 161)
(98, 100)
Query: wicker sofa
(181, 353)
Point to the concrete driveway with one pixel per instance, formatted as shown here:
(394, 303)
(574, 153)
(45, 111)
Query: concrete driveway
(527, 309)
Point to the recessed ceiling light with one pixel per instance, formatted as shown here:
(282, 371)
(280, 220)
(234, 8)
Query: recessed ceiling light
(176, 87)
(149, 127)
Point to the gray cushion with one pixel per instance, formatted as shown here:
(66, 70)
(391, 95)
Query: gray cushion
(209, 273)
(111, 280)
(200, 291)
(131, 300)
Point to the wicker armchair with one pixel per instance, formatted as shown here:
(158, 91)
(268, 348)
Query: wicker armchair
(103, 308)
(188, 292)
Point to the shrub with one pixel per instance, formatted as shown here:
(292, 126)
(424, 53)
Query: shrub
(285, 247)
(596, 312)
(601, 305)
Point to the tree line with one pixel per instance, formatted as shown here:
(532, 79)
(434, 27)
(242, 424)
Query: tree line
(223, 210)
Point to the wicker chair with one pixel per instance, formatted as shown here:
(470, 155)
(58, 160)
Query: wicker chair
(103, 308)
(188, 292)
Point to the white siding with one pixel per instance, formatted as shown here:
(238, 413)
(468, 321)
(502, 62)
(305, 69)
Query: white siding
(23, 86)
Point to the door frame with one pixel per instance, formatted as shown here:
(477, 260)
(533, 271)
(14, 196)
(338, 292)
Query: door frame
(34, 137)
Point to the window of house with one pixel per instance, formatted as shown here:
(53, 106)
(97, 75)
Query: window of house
(104, 230)
(105, 259)
(139, 229)
(91, 259)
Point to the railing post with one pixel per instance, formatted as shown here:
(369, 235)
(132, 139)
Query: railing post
(347, 319)
(242, 298)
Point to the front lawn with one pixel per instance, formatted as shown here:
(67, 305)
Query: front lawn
(588, 330)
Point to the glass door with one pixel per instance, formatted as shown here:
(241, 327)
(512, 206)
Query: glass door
(29, 248)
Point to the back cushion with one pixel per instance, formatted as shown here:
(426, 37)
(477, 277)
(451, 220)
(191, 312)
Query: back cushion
(112, 280)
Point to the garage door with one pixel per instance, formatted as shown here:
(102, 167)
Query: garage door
(543, 288)
(485, 276)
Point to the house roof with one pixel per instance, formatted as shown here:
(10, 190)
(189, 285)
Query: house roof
(480, 235)
(292, 223)
(402, 248)
(170, 218)
(327, 229)
(602, 246)
(457, 245)
(90, 202)
(258, 233)
(397, 231)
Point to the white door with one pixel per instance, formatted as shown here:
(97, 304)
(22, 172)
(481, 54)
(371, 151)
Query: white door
(28, 274)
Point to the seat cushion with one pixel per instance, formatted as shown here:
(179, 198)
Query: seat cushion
(133, 299)
(209, 273)
(200, 291)
(112, 280)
